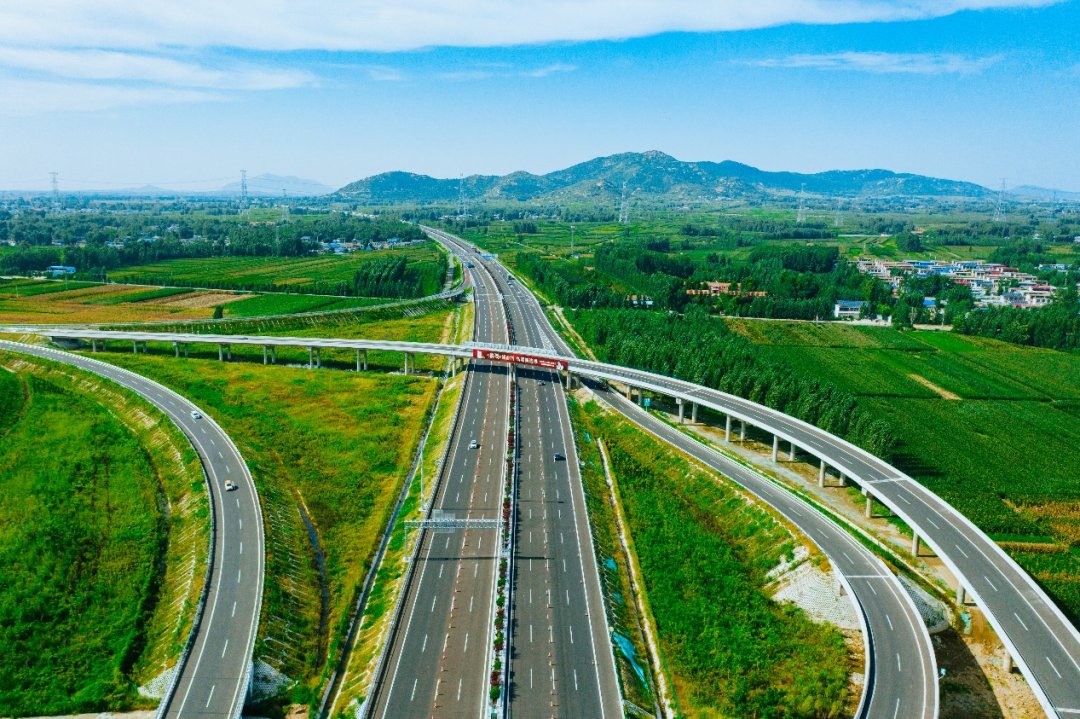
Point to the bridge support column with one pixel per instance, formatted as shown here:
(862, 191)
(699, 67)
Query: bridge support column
(869, 504)
(682, 409)
(791, 454)
(310, 354)
(264, 354)
(775, 446)
(408, 356)
(915, 544)
(693, 413)
(228, 352)
(134, 348)
(365, 360)
(1007, 662)
(104, 345)
(186, 350)
(727, 429)
(176, 346)
(843, 479)
(961, 595)
(821, 475)
(358, 361)
(144, 347)
(318, 357)
(742, 430)
(273, 355)
(220, 353)
(93, 345)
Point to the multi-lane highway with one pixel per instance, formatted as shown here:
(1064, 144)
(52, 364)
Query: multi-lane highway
(213, 679)
(903, 667)
(561, 662)
(438, 659)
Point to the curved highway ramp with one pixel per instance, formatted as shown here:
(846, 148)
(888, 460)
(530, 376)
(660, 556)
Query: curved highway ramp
(215, 671)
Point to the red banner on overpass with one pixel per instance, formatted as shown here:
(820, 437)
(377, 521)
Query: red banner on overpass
(515, 358)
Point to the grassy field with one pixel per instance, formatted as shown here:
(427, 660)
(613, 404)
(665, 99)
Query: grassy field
(704, 553)
(989, 426)
(319, 274)
(337, 445)
(99, 586)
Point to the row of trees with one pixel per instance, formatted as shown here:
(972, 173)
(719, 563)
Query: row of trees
(396, 277)
(1055, 326)
(703, 350)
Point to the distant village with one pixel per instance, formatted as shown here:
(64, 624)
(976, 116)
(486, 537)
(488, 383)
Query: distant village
(991, 284)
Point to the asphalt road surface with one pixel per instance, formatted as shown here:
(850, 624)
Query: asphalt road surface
(439, 658)
(213, 680)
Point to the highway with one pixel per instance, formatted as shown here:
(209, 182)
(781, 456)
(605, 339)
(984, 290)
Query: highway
(438, 659)
(561, 662)
(214, 678)
(903, 667)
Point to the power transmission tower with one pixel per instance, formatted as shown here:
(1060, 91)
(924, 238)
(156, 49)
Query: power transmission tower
(801, 216)
(624, 209)
(571, 240)
(55, 193)
(836, 222)
(999, 211)
(461, 197)
(243, 189)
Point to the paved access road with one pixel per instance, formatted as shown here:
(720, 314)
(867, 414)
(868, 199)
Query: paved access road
(439, 657)
(214, 679)
(904, 668)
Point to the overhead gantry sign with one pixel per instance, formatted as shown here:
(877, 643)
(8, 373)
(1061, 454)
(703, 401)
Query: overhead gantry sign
(516, 358)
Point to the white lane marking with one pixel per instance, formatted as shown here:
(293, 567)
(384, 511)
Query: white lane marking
(225, 649)
(239, 572)
(898, 663)
(990, 583)
(211, 695)
(433, 602)
(234, 609)
(890, 623)
(933, 523)
(961, 551)
(1053, 667)
(466, 647)
(571, 634)
(241, 547)
(1021, 621)
(459, 688)
(413, 695)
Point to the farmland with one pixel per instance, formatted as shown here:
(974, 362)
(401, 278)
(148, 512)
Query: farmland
(322, 274)
(87, 470)
(704, 553)
(1000, 451)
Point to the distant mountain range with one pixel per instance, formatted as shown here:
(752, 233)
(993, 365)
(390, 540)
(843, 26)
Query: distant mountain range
(265, 185)
(653, 175)
(1043, 193)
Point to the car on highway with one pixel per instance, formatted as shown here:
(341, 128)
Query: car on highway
(229, 486)
(559, 457)
(474, 444)
(541, 383)
(195, 415)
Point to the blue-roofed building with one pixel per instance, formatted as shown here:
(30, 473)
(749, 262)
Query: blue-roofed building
(847, 309)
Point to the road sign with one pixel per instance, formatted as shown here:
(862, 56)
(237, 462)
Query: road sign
(516, 358)
(646, 401)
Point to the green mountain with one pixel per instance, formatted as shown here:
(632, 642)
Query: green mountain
(655, 176)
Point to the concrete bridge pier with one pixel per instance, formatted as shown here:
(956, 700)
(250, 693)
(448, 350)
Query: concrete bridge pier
(843, 479)
(727, 429)
(775, 446)
(310, 354)
(318, 358)
(821, 475)
(693, 413)
(961, 595)
(869, 503)
(791, 454)
(228, 352)
(220, 353)
(264, 354)
(1007, 662)
(134, 348)
(176, 347)
(682, 409)
(915, 544)
(93, 345)
(273, 355)
(742, 430)
(186, 350)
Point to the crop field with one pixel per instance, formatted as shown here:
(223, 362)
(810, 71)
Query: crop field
(1000, 448)
(281, 304)
(317, 275)
(704, 553)
(333, 444)
(86, 469)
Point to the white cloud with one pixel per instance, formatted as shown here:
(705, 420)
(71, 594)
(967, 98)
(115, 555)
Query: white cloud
(31, 97)
(389, 25)
(549, 70)
(885, 62)
(384, 73)
(111, 65)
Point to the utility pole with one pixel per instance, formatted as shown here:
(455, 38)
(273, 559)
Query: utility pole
(55, 193)
(243, 190)
(624, 210)
(999, 211)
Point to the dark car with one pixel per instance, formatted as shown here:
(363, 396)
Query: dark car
(559, 457)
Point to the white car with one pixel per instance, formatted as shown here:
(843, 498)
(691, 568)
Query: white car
(474, 444)
(229, 486)
(195, 415)
(541, 383)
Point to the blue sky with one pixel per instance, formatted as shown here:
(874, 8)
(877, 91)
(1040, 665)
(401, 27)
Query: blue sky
(115, 93)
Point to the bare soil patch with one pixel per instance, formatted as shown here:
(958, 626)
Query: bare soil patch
(945, 394)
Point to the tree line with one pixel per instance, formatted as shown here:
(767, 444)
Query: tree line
(700, 349)
(1055, 326)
